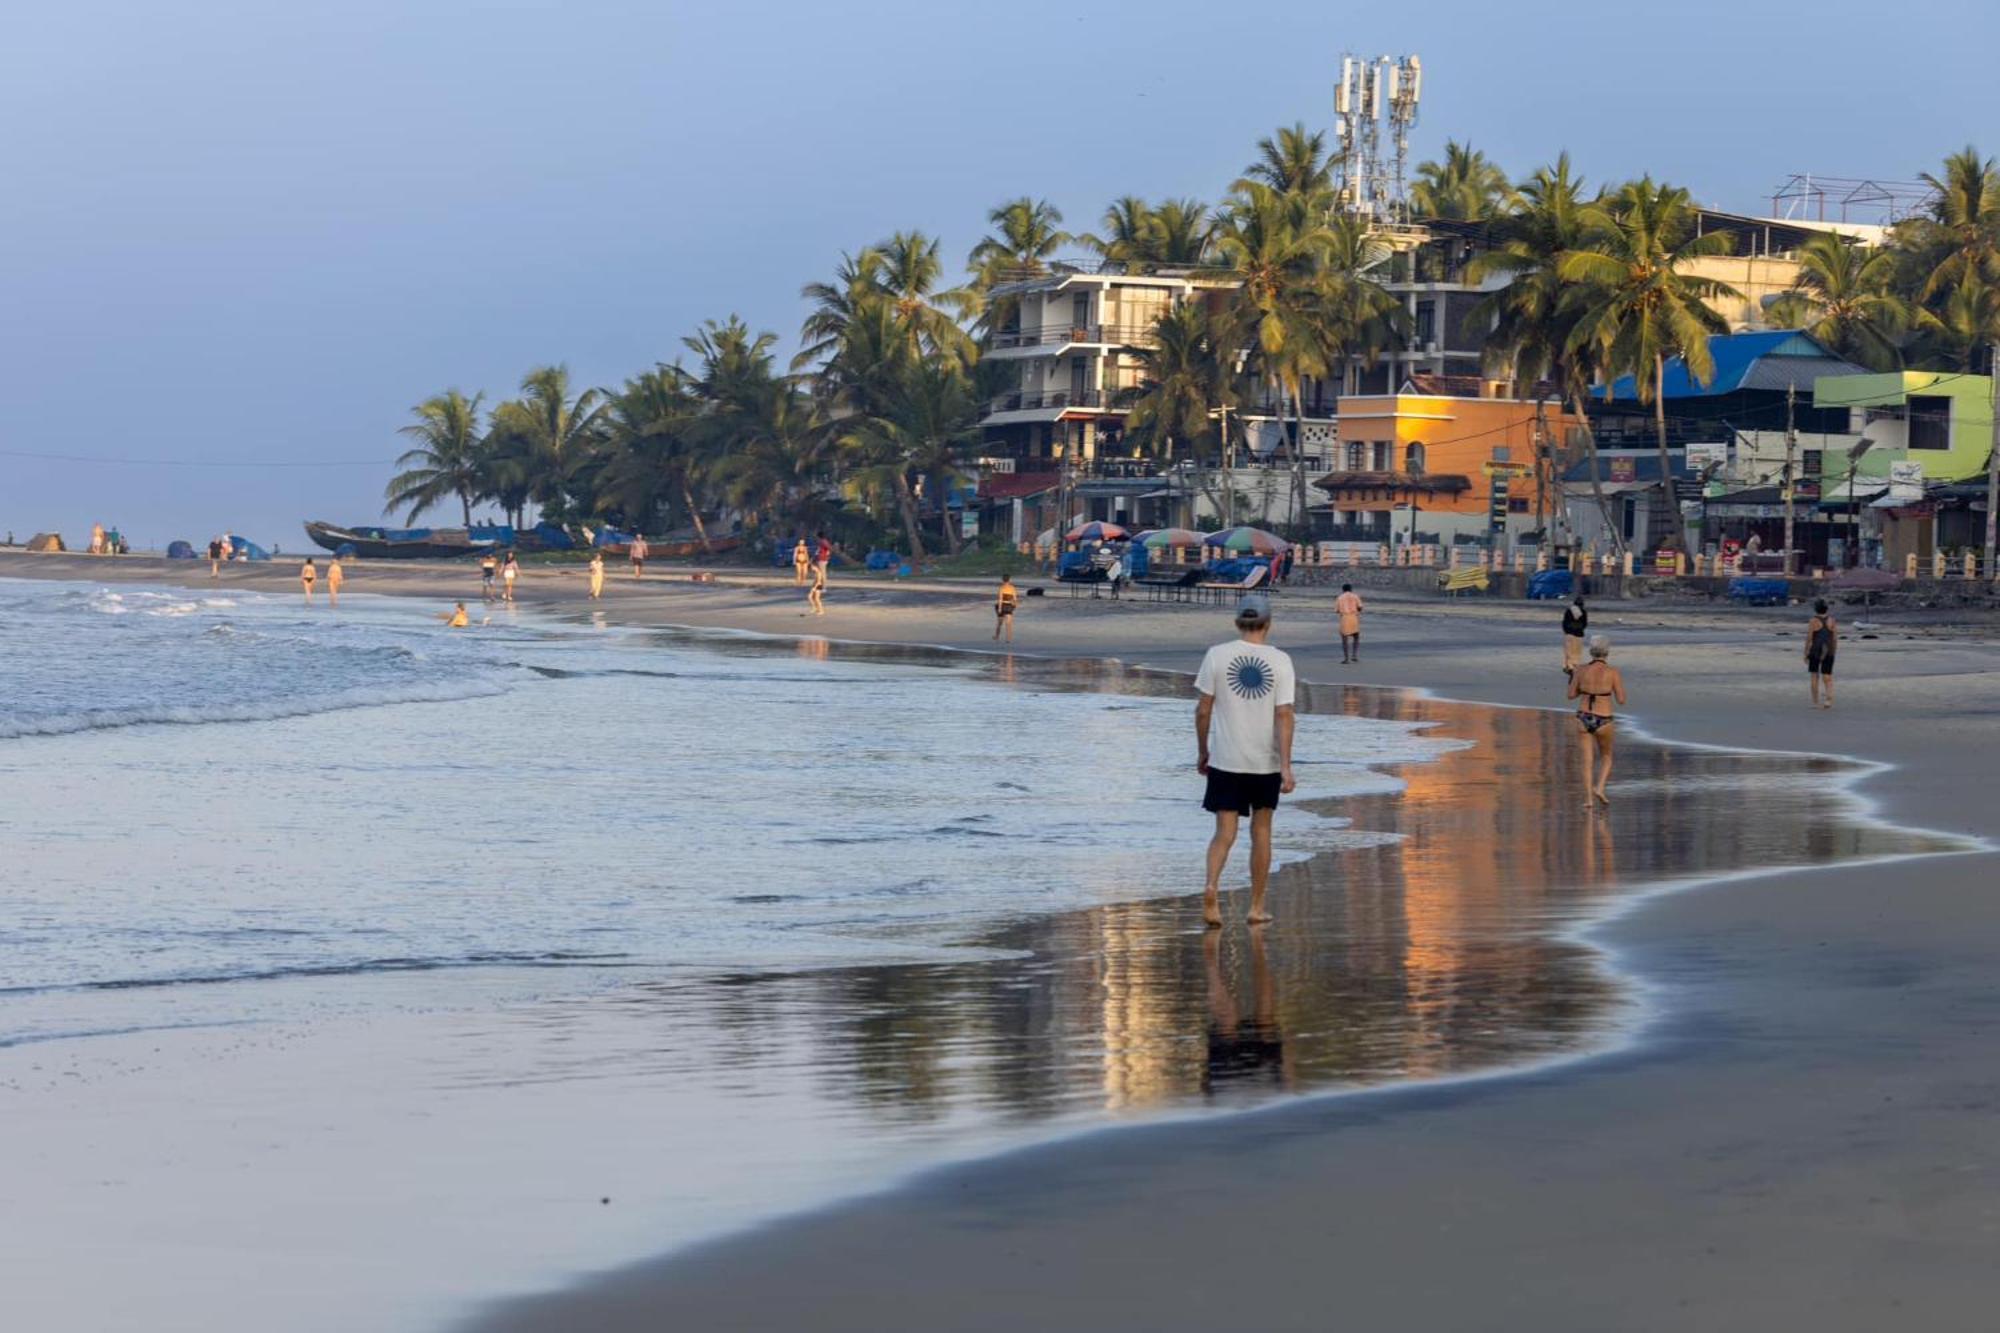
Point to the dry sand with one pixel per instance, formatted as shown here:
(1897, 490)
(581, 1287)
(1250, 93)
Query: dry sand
(1808, 1135)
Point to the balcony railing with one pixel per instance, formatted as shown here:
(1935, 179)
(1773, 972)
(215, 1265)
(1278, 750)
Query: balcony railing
(1120, 335)
(1109, 400)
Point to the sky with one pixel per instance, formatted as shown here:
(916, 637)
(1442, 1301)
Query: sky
(239, 240)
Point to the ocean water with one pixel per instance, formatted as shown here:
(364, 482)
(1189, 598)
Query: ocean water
(295, 899)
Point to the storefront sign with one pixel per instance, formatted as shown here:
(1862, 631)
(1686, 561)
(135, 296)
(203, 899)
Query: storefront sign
(1623, 469)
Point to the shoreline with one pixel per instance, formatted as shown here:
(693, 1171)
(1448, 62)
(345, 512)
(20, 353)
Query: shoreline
(1171, 655)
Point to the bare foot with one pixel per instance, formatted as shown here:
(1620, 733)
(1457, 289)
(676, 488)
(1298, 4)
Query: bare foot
(1211, 914)
(1258, 917)
(1602, 799)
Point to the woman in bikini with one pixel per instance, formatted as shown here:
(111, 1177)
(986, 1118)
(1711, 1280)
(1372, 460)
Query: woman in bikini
(1596, 686)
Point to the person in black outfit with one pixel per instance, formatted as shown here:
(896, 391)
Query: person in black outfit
(1576, 625)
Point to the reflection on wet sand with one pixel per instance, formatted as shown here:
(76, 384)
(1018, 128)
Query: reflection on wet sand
(1444, 952)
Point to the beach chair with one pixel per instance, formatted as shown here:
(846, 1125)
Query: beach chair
(1170, 587)
(1474, 579)
(1218, 591)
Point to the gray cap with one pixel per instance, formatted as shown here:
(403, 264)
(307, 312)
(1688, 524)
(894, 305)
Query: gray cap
(1254, 609)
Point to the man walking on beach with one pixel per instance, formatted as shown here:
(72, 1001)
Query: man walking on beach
(215, 557)
(1822, 641)
(639, 549)
(1348, 607)
(1247, 689)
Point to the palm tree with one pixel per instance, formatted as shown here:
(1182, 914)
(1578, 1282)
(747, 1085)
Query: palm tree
(1534, 316)
(652, 452)
(1293, 161)
(835, 304)
(1845, 296)
(1276, 245)
(1964, 225)
(1142, 237)
(1027, 233)
(929, 421)
(549, 432)
(1640, 308)
(1184, 379)
(1465, 186)
(446, 458)
(1964, 324)
(909, 274)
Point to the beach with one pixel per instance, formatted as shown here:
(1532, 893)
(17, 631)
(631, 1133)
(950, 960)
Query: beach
(1763, 1101)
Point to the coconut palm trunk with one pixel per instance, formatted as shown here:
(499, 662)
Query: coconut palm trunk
(906, 501)
(694, 514)
(1669, 512)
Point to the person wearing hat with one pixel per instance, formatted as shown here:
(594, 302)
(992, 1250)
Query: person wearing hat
(1243, 745)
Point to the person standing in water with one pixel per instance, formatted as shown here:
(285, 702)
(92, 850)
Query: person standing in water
(335, 576)
(306, 577)
(816, 590)
(596, 576)
(801, 563)
(1348, 607)
(1596, 685)
(1822, 641)
(510, 569)
(1243, 726)
(215, 557)
(639, 549)
(1005, 602)
(1576, 623)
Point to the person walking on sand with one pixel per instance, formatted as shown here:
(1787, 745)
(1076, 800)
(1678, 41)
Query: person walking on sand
(597, 576)
(1596, 684)
(489, 568)
(307, 574)
(639, 549)
(215, 557)
(510, 570)
(816, 590)
(801, 563)
(1348, 607)
(1576, 623)
(1243, 726)
(1005, 602)
(335, 576)
(1822, 641)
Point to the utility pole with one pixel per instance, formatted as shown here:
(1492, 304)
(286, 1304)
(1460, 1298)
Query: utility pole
(1993, 469)
(1791, 440)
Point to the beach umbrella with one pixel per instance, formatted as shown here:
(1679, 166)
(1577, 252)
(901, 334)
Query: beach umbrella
(1247, 541)
(1096, 532)
(1163, 538)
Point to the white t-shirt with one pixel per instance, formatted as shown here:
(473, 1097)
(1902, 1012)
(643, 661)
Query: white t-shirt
(1250, 683)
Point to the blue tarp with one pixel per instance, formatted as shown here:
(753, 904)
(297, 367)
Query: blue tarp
(500, 534)
(879, 560)
(180, 551)
(553, 537)
(1235, 570)
(1550, 585)
(1760, 592)
(612, 537)
(242, 548)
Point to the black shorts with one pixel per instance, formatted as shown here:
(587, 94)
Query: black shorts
(1241, 792)
(1820, 666)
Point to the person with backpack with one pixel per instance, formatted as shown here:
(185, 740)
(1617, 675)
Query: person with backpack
(1822, 641)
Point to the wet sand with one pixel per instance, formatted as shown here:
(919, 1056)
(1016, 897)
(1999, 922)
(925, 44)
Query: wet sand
(1804, 1134)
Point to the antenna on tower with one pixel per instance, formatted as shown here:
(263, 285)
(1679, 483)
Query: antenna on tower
(1370, 92)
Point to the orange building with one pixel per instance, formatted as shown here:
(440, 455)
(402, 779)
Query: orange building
(1463, 459)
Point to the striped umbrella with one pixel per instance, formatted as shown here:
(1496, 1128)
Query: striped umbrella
(1162, 538)
(1096, 532)
(1247, 541)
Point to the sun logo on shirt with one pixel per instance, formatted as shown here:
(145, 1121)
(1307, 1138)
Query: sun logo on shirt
(1249, 678)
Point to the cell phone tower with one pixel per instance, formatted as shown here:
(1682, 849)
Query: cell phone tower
(1370, 93)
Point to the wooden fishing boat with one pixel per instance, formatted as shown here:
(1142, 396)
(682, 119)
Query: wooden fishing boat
(374, 543)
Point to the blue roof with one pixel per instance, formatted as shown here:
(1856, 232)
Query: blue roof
(1775, 359)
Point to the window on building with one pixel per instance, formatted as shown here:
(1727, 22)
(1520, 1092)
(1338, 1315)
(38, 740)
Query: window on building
(1357, 456)
(1812, 462)
(1930, 421)
(1383, 451)
(1413, 459)
(1426, 322)
(1516, 505)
